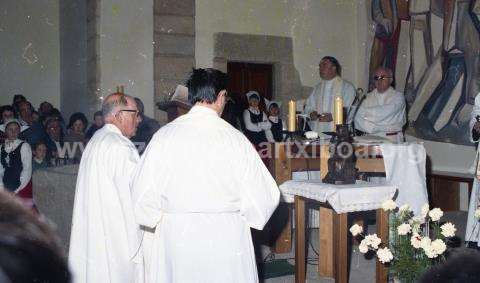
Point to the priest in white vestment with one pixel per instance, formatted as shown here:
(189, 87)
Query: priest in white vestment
(319, 105)
(382, 111)
(472, 233)
(201, 186)
(105, 237)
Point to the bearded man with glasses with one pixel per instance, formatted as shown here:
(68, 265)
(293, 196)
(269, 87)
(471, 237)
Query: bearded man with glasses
(382, 112)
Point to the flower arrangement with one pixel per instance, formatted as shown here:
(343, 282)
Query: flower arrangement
(415, 244)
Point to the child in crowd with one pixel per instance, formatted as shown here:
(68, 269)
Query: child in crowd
(273, 109)
(98, 123)
(39, 159)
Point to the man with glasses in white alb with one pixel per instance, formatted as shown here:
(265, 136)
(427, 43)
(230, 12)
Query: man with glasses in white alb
(382, 111)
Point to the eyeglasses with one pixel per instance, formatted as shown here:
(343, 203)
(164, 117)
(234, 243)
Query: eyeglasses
(137, 113)
(379, 78)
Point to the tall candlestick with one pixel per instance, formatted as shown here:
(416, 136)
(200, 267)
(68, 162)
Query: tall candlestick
(338, 111)
(292, 108)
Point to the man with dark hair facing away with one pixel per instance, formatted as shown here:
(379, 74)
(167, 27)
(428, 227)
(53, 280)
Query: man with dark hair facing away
(201, 186)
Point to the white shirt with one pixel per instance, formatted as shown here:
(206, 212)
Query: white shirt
(201, 185)
(105, 236)
(255, 127)
(381, 113)
(321, 101)
(26, 156)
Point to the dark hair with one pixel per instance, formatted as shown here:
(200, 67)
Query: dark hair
(205, 84)
(37, 144)
(29, 250)
(6, 108)
(461, 266)
(273, 104)
(140, 106)
(335, 62)
(98, 113)
(19, 97)
(77, 116)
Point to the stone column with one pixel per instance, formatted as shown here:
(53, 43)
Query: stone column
(174, 49)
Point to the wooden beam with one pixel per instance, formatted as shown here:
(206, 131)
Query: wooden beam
(326, 242)
(300, 251)
(382, 233)
(341, 247)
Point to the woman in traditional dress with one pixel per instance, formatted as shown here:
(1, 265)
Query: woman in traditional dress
(16, 164)
(255, 120)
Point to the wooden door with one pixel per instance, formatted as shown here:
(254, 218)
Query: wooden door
(244, 77)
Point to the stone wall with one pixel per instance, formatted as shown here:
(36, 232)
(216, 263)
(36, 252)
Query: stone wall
(93, 70)
(174, 48)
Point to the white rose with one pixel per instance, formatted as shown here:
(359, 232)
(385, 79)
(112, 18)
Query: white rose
(404, 229)
(416, 241)
(425, 209)
(363, 247)
(311, 135)
(356, 230)
(389, 205)
(448, 229)
(384, 255)
(477, 213)
(425, 242)
(435, 214)
(439, 246)
(373, 241)
(404, 208)
(430, 251)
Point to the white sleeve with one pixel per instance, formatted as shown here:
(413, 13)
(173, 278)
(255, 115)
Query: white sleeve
(147, 207)
(248, 122)
(26, 175)
(310, 104)
(260, 194)
(475, 113)
(265, 125)
(269, 135)
(386, 117)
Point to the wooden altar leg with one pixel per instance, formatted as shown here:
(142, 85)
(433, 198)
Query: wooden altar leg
(282, 170)
(283, 243)
(341, 247)
(300, 256)
(382, 233)
(325, 231)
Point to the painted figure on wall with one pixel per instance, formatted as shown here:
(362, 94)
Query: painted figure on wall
(440, 89)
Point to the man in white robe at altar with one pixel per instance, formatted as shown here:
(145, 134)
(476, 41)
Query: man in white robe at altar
(382, 111)
(472, 233)
(105, 237)
(319, 105)
(201, 186)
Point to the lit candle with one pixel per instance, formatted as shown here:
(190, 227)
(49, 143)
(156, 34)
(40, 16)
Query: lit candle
(338, 111)
(292, 108)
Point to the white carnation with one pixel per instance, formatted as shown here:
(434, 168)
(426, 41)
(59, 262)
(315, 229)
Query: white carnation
(363, 247)
(435, 214)
(430, 251)
(356, 230)
(389, 205)
(425, 242)
(373, 241)
(439, 246)
(425, 210)
(404, 229)
(448, 229)
(404, 208)
(477, 214)
(384, 255)
(416, 241)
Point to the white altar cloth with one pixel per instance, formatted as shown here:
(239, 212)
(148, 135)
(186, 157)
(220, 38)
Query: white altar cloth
(343, 198)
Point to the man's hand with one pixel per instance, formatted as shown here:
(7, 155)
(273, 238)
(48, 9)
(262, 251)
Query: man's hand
(325, 117)
(314, 116)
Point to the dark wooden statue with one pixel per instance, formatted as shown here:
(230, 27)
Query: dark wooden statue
(341, 164)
